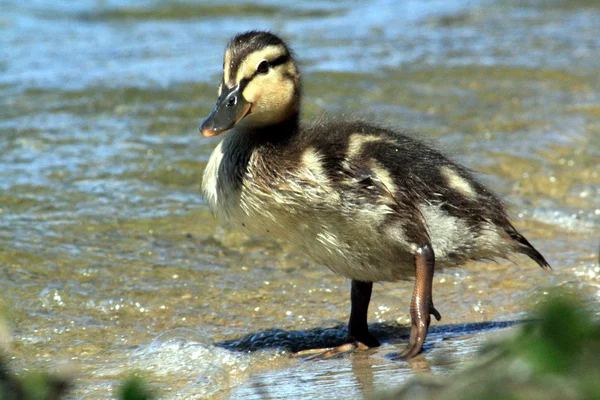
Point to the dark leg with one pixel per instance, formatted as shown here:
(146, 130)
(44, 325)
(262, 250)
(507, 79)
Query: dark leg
(421, 305)
(359, 336)
(358, 331)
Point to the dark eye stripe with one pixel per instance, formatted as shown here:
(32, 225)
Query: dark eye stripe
(278, 61)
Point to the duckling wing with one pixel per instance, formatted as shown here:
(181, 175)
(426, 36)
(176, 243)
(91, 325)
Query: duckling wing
(353, 196)
(413, 194)
(370, 188)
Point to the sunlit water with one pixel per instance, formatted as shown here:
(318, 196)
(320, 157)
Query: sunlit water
(111, 262)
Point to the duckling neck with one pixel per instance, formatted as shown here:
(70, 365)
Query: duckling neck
(275, 134)
(245, 141)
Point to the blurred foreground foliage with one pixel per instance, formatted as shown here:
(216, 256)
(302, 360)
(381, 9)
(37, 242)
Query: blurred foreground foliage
(43, 386)
(554, 356)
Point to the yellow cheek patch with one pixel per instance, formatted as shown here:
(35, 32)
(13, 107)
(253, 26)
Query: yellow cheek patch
(271, 96)
(252, 91)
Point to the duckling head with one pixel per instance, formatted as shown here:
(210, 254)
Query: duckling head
(260, 85)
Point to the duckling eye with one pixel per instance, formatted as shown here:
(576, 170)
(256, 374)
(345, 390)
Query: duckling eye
(263, 67)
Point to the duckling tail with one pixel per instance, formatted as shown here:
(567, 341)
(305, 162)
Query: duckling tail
(524, 247)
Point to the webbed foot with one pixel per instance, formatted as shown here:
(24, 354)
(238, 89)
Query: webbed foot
(330, 352)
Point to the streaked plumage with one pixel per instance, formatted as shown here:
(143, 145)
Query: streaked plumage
(370, 203)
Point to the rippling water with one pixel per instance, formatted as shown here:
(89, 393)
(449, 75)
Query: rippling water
(111, 261)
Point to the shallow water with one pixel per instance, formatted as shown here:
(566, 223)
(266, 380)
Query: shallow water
(111, 261)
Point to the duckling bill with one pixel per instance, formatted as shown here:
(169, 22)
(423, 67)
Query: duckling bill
(370, 203)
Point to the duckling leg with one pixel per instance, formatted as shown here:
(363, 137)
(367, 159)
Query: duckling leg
(358, 330)
(359, 337)
(421, 305)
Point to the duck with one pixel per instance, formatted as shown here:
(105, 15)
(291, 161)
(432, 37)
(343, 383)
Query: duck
(371, 203)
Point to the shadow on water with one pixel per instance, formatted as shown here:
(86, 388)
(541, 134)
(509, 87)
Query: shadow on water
(294, 341)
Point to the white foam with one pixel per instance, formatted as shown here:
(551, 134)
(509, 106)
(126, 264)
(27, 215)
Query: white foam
(200, 369)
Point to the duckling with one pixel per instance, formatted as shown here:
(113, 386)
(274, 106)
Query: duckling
(370, 203)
